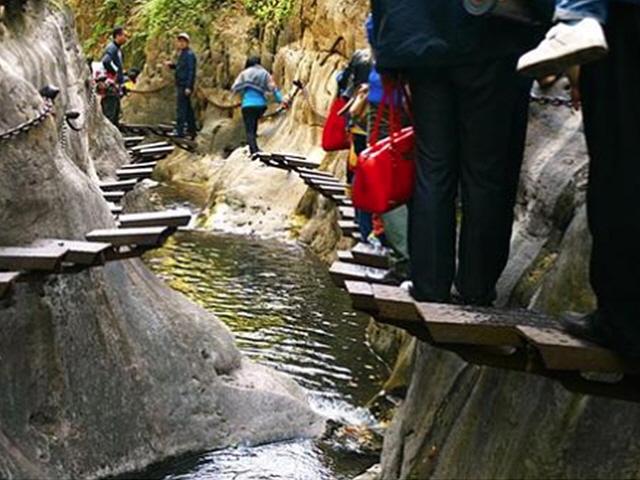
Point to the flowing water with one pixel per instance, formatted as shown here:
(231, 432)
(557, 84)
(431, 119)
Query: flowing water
(285, 313)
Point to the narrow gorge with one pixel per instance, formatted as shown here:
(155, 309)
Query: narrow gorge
(228, 353)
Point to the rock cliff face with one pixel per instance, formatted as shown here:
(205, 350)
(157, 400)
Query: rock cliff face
(105, 371)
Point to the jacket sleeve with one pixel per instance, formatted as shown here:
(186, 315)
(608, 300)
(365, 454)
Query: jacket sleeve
(108, 62)
(192, 69)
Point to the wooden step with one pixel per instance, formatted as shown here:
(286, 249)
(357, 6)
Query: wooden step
(367, 254)
(156, 152)
(7, 281)
(41, 259)
(78, 253)
(345, 256)
(340, 272)
(147, 146)
(135, 166)
(348, 227)
(113, 197)
(133, 141)
(123, 185)
(136, 173)
(115, 209)
(141, 237)
(169, 218)
(293, 156)
(319, 178)
(347, 213)
(362, 296)
(316, 172)
(342, 200)
(330, 191)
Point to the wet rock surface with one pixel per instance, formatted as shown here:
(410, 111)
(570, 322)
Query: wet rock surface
(109, 370)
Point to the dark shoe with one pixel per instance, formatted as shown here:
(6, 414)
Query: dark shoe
(425, 299)
(585, 327)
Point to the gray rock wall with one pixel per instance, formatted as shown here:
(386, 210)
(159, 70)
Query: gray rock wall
(105, 371)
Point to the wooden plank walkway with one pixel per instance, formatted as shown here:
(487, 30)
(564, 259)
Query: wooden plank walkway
(516, 339)
(122, 185)
(140, 237)
(78, 253)
(341, 272)
(134, 173)
(366, 254)
(38, 259)
(168, 218)
(7, 281)
(113, 197)
(135, 166)
(147, 146)
(133, 141)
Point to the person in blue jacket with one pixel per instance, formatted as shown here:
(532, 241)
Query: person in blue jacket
(186, 71)
(255, 84)
(470, 110)
(611, 105)
(113, 63)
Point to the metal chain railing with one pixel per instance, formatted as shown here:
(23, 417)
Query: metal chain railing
(25, 127)
(551, 101)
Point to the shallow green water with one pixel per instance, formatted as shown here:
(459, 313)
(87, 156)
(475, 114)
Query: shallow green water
(285, 313)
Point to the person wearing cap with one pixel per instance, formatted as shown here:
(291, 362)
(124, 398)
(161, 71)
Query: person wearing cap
(185, 68)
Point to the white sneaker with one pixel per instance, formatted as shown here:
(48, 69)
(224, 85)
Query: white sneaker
(565, 46)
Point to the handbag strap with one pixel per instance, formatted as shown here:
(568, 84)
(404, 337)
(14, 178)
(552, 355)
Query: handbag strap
(390, 89)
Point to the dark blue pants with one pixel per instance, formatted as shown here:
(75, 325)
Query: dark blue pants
(471, 124)
(186, 118)
(575, 10)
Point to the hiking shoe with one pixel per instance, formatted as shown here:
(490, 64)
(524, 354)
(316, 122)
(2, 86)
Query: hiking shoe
(565, 46)
(585, 327)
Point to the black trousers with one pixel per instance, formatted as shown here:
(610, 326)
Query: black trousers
(186, 118)
(252, 116)
(471, 124)
(611, 101)
(111, 107)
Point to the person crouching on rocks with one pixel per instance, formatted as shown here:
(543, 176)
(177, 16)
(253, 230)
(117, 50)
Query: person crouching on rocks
(186, 69)
(255, 83)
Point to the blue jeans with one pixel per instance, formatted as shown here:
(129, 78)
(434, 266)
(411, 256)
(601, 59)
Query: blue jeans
(572, 11)
(186, 116)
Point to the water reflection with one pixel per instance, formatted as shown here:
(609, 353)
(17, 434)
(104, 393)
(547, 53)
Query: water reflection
(285, 312)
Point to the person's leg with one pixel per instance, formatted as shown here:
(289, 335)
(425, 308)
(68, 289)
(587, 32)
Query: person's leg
(611, 101)
(433, 214)
(364, 219)
(577, 39)
(181, 113)
(192, 128)
(573, 11)
(492, 108)
(110, 107)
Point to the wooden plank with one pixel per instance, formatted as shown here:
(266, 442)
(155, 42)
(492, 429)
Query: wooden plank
(140, 173)
(340, 272)
(342, 200)
(156, 152)
(371, 256)
(113, 197)
(79, 253)
(320, 178)
(7, 280)
(561, 351)
(146, 146)
(133, 141)
(396, 303)
(299, 163)
(348, 213)
(122, 185)
(42, 259)
(329, 190)
(348, 227)
(134, 166)
(345, 256)
(321, 182)
(168, 218)
(455, 324)
(142, 237)
(361, 294)
(316, 172)
(115, 209)
(286, 155)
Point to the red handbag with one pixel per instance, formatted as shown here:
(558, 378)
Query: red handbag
(335, 136)
(386, 171)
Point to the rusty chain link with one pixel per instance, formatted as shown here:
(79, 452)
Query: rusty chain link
(551, 101)
(29, 125)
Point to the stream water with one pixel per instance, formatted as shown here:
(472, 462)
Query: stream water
(285, 313)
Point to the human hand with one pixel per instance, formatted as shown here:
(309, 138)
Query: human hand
(187, 92)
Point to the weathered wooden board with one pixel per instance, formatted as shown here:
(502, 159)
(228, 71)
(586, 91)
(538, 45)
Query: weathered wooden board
(299, 163)
(286, 155)
(134, 173)
(561, 351)
(371, 256)
(322, 182)
(345, 256)
(123, 186)
(347, 213)
(473, 325)
(395, 303)
(133, 141)
(316, 172)
(142, 237)
(348, 227)
(321, 179)
(7, 280)
(342, 200)
(169, 218)
(135, 166)
(146, 146)
(78, 253)
(41, 259)
(156, 151)
(115, 209)
(340, 272)
(362, 296)
(330, 191)
(113, 197)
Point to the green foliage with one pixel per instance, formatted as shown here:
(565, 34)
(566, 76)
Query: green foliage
(270, 10)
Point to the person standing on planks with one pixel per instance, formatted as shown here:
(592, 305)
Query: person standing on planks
(113, 64)
(185, 72)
